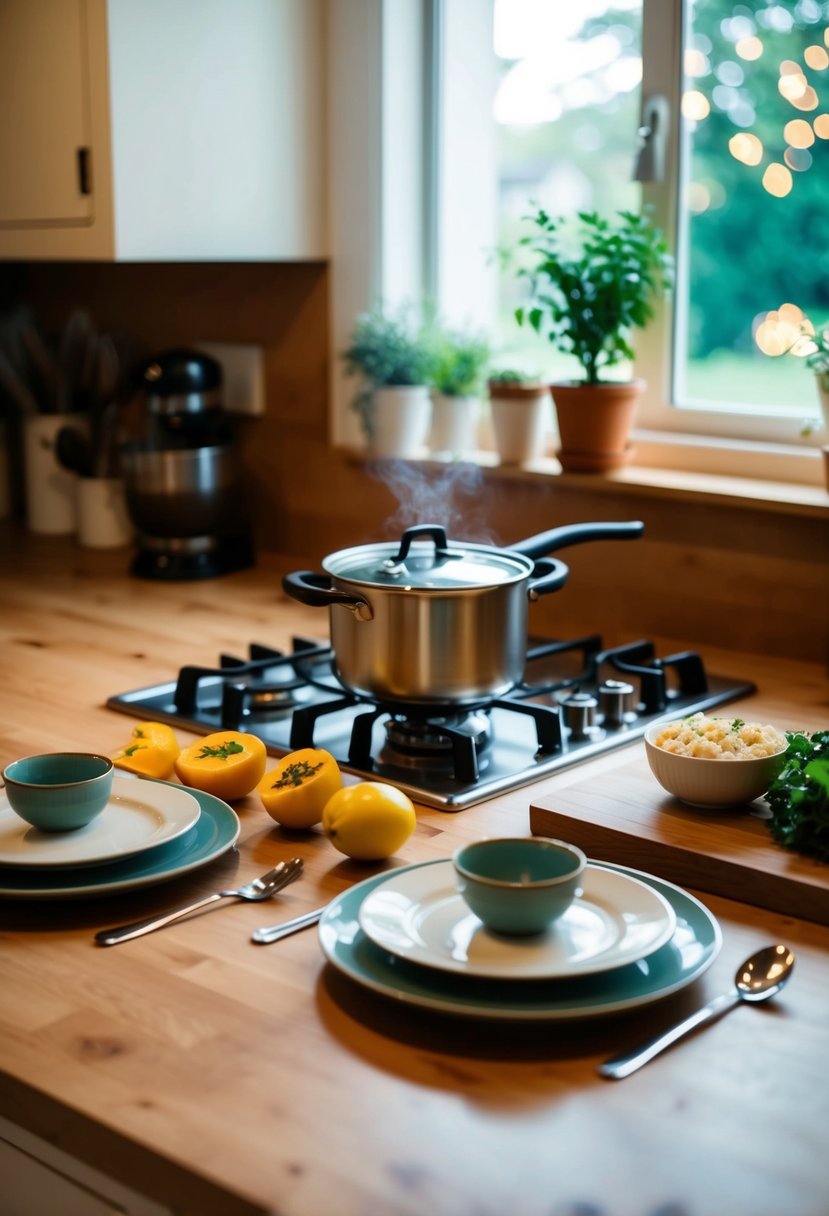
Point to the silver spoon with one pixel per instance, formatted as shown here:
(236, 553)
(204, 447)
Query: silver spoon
(757, 979)
(260, 888)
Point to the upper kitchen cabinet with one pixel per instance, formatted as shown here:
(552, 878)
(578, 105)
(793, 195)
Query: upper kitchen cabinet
(151, 131)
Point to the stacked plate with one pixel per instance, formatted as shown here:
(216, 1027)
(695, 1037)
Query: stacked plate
(629, 939)
(148, 832)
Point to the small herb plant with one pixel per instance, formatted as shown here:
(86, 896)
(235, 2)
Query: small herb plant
(460, 364)
(388, 350)
(593, 281)
(508, 375)
(799, 795)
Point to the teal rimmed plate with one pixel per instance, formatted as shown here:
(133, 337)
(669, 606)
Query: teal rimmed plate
(690, 952)
(215, 831)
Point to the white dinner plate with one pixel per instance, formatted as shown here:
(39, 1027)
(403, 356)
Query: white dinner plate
(689, 953)
(215, 831)
(419, 915)
(140, 815)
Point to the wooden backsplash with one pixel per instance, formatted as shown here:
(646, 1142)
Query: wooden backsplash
(737, 577)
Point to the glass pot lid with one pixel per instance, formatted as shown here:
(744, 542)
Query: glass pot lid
(419, 563)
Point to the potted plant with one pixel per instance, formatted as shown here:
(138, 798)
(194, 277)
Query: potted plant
(817, 360)
(592, 282)
(458, 376)
(519, 406)
(393, 354)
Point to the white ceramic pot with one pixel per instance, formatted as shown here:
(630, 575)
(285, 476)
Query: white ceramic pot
(103, 519)
(454, 425)
(519, 425)
(50, 488)
(400, 420)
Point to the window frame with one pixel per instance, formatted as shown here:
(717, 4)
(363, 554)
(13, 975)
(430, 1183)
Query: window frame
(387, 64)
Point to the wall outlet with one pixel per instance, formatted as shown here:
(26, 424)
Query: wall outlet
(243, 369)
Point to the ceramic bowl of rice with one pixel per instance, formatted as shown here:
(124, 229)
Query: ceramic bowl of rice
(714, 762)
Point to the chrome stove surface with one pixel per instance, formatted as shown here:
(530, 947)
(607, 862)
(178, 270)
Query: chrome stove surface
(293, 700)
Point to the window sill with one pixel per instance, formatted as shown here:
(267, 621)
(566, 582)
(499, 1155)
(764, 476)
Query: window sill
(804, 498)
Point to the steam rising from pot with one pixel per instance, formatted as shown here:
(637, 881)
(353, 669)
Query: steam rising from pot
(448, 496)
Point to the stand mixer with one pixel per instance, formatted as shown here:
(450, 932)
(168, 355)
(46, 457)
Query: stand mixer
(184, 486)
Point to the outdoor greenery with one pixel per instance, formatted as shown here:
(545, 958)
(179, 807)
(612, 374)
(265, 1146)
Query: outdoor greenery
(593, 283)
(749, 250)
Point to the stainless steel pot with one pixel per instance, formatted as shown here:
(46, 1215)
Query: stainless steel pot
(428, 623)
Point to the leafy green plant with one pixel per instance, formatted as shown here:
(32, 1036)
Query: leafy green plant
(799, 795)
(818, 360)
(593, 282)
(460, 364)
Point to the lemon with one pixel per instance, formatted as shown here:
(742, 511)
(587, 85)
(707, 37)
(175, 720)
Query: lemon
(369, 820)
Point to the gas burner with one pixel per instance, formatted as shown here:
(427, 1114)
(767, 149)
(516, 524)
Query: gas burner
(433, 736)
(454, 744)
(578, 699)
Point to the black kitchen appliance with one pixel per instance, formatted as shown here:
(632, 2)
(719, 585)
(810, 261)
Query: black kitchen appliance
(577, 699)
(183, 476)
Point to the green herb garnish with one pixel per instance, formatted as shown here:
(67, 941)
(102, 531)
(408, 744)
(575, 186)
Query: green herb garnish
(799, 795)
(295, 774)
(737, 724)
(223, 752)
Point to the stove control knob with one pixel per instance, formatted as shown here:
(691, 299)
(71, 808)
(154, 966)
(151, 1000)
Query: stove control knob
(615, 698)
(579, 713)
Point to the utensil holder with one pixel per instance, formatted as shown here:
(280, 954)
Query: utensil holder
(50, 488)
(102, 517)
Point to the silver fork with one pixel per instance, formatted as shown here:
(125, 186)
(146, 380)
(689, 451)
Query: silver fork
(258, 889)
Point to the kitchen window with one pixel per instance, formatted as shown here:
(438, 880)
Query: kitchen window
(530, 100)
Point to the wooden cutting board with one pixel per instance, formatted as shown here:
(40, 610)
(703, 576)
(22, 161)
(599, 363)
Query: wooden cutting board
(624, 815)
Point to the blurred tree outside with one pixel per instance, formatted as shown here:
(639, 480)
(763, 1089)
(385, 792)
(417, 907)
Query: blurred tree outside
(754, 231)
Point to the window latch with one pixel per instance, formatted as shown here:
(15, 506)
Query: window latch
(653, 135)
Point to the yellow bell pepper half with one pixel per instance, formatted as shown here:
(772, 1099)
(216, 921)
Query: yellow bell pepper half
(151, 752)
(227, 764)
(296, 791)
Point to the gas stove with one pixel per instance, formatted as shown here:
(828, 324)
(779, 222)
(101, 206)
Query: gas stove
(577, 700)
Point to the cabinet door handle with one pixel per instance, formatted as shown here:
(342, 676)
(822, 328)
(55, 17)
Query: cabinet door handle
(84, 170)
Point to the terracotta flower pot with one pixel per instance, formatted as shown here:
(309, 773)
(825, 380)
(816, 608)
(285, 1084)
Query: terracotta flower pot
(594, 422)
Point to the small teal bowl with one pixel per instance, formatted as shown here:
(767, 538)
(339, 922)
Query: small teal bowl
(518, 885)
(59, 791)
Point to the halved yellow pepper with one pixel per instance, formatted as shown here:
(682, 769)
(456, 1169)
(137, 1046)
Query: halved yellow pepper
(296, 791)
(226, 763)
(151, 752)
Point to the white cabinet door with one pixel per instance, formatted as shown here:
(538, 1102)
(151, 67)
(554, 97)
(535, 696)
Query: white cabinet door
(44, 98)
(204, 120)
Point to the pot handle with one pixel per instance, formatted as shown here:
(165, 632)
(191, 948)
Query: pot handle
(575, 534)
(316, 591)
(435, 531)
(548, 576)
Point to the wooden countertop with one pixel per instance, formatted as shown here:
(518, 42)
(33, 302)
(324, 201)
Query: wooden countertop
(215, 1076)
